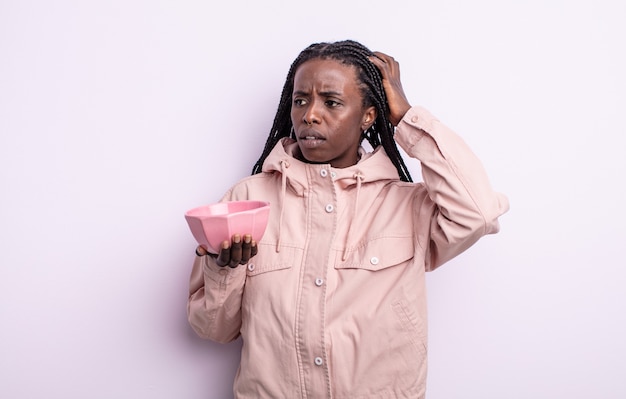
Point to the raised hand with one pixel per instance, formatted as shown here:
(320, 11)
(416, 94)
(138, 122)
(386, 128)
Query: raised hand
(390, 70)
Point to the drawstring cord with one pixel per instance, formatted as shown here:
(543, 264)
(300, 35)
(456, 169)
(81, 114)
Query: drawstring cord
(283, 190)
(359, 178)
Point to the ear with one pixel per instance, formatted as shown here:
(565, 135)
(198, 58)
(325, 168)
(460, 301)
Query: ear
(369, 117)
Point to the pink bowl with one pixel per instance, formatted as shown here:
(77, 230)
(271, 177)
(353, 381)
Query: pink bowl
(213, 224)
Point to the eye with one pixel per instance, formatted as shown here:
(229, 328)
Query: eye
(299, 102)
(332, 103)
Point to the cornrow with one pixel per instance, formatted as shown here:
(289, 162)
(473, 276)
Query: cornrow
(352, 53)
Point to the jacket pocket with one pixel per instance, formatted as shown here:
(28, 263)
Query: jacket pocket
(412, 325)
(378, 253)
(267, 260)
(267, 306)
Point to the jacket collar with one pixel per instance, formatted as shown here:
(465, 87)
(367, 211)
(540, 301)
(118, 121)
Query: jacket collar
(373, 166)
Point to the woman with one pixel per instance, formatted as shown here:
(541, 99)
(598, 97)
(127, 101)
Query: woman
(332, 300)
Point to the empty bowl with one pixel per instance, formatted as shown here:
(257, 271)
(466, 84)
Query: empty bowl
(213, 224)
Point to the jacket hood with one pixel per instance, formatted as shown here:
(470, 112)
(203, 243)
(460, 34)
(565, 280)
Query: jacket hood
(373, 166)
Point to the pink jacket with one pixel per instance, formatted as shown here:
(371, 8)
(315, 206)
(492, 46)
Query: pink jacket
(334, 303)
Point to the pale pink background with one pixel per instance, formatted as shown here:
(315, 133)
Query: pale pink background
(117, 116)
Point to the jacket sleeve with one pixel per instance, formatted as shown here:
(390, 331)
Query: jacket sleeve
(215, 293)
(460, 203)
(214, 305)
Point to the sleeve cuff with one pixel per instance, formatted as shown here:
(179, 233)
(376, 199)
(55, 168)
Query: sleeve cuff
(415, 124)
(217, 273)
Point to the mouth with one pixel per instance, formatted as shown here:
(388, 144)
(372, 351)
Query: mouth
(310, 139)
(310, 134)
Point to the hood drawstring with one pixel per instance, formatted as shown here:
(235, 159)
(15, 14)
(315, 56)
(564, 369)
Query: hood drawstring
(359, 178)
(283, 190)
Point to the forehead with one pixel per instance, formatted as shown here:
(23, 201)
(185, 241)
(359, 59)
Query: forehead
(325, 74)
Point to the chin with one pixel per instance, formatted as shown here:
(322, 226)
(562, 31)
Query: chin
(309, 158)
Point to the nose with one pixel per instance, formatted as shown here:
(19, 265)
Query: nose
(311, 114)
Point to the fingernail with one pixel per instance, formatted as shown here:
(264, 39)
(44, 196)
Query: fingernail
(237, 239)
(247, 238)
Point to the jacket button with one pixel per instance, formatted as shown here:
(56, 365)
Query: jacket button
(251, 267)
(319, 361)
(319, 282)
(330, 208)
(414, 119)
(323, 172)
(374, 260)
(333, 174)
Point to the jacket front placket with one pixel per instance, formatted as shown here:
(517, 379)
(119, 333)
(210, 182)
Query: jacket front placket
(321, 200)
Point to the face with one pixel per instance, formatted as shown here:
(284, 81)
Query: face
(327, 112)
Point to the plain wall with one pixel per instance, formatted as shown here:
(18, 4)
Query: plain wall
(117, 116)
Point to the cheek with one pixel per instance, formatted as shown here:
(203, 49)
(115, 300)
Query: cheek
(294, 116)
(352, 125)
(350, 136)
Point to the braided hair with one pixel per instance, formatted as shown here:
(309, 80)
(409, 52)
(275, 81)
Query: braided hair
(370, 82)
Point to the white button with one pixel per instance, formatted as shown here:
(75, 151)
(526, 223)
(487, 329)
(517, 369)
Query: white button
(319, 282)
(374, 260)
(251, 267)
(323, 172)
(330, 208)
(319, 361)
(333, 174)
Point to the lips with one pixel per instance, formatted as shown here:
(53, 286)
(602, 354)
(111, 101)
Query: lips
(310, 135)
(310, 139)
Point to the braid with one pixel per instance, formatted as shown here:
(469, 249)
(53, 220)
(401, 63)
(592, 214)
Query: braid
(370, 81)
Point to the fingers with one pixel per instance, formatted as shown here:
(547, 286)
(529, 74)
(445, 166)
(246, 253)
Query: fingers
(246, 249)
(200, 251)
(387, 65)
(254, 249)
(237, 252)
(224, 256)
(380, 63)
(390, 70)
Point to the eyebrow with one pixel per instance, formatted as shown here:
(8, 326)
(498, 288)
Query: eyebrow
(329, 93)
